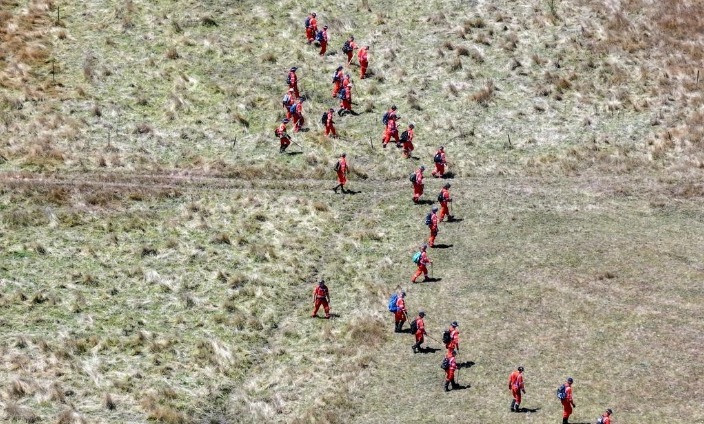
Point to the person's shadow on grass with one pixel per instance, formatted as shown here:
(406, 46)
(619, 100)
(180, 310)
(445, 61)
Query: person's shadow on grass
(427, 349)
(465, 364)
(441, 246)
(294, 153)
(530, 411)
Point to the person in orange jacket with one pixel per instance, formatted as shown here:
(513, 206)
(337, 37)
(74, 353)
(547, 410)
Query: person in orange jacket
(445, 198)
(292, 80)
(422, 265)
(418, 184)
(311, 27)
(363, 57)
(348, 48)
(408, 141)
(284, 138)
(420, 332)
(391, 131)
(400, 315)
(346, 103)
(288, 101)
(341, 170)
(433, 226)
(323, 39)
(450, 371)
(337, 81)
(329, 127)
(321, 297)
(346, 81)
(568, 401)
(298, 119)
(516, 386)
(454, 343)
(440, 162)
(605, 417)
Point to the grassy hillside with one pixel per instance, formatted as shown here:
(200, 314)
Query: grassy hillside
(157, 255)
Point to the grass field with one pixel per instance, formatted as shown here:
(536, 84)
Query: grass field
(157, 256)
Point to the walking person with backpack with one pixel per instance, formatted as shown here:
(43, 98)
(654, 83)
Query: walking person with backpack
(321, 297)
(400, 315)
(449, 364)
(311, 27)
(337, 81)
(421, 259)
(326, 120)
(297, 114)
(417, 180)
(363, 57)
(418, 329)
(292, 81)
(564, 393)
(390, 131)
(341, 170)
(348, 48)
(407, 140)
(451, 337)
(345, 96)
(284, 138)
(605, 418)
(440, 162)
(288, 100)
(322, 38)
(444, 198)
(433, 224)
(516, 386)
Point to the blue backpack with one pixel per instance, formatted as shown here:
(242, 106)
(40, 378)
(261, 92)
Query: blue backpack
(416, 258)
(319, 36)
(562, 392)
(292, 109)
(429, 219)
(342, 93)
(392, 302)
(385, 118)
(307, 21)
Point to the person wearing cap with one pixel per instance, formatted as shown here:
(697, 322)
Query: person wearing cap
(346, 102)
(454, 343)
(329, 127)
(568, 401)
(407, 139)
(391, 130)
(348, 48)
(363, 57)
(298, 119)
(341, 169)
(321, 296)
(440, 162)
(346, 80)
(450, 371)
(288, 101)
(284, 138)
(293, 81)
(516, 386)
(422, 264)
(420, 332)
(605, 417)
(337, 78)
(311, 27)
(418, 183)
(433, 226)
(444, 198)
(400, 315)
(323, 39)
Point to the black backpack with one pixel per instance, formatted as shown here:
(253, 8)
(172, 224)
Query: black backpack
(324, 118)
(437, 158)
(385, 118)
(441, 198)
(446, 337)
(414, 326)
(307, 22)
(429, 222)
(288, 79)
(412, 178)
(335, 77)
(337, 166)
(404, 136)
(445, 364)
(346, 48)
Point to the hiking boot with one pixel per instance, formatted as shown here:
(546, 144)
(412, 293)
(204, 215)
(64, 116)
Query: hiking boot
(334, 189)
(564, 421)
(513, 405)
(383, 145)
(518, 408)
(413, 348)
(426, 279)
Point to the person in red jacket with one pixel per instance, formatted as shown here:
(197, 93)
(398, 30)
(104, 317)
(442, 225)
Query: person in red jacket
(516, 386)
(288, 101)
(329, 127)
(408, 141)
(363, 57)
(346, 81)
(391, 131)
(420, 332)
(450, 371)
(568, 401)
(341, 170)
(445, 198)
(284, 138)
(400, 315)
(298, 119)
(337, 81)
(454, 343)
(293, 81)
(440, 162)
(324, 41)
(346, 103)
(312, 28)
(418, 184)
(433, 226)
(422, 265)
(321, 297)
(605, 417)
(348, 48)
